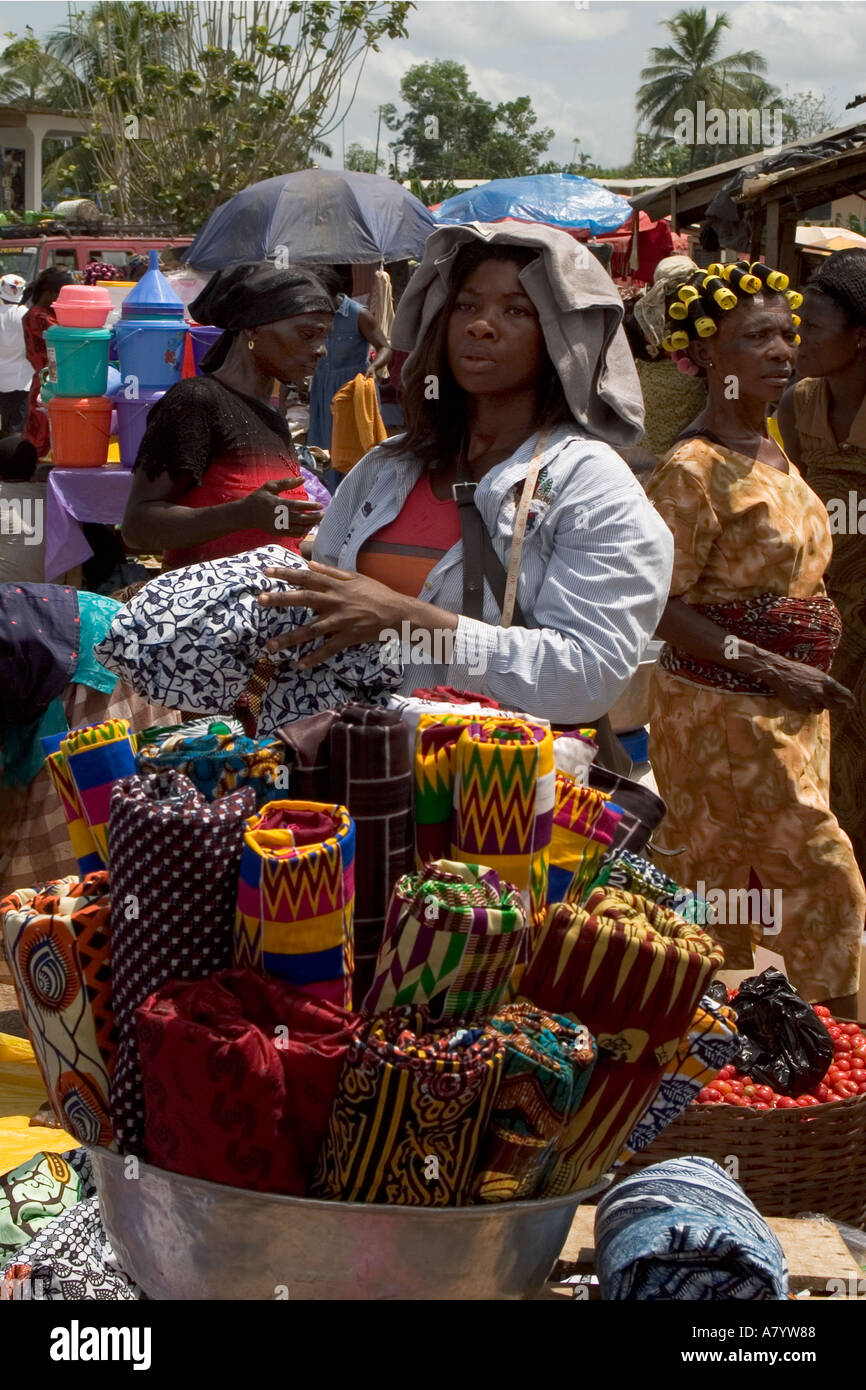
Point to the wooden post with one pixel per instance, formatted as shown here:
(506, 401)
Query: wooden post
(771, 240)
(787, 261)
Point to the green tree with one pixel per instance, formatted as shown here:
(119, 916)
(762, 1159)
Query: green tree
(30, 73)
(692, 69)
(806, 114)
(362, 161)
(190, 102)
(450, 132)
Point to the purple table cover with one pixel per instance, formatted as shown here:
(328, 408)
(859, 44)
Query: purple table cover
(74, 495)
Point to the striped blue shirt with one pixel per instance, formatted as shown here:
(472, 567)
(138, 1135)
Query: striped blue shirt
(594, 575)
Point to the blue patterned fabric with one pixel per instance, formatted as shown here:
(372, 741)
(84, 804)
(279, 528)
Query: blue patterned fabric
(684, 1231)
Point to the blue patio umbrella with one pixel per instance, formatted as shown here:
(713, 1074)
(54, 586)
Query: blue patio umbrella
(560, 200)
(319, 216)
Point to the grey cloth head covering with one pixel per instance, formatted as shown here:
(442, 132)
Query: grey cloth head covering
(579, 309)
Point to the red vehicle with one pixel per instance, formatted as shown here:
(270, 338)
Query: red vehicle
(28, 255)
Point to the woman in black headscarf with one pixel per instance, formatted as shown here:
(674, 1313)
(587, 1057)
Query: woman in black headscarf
(216, 456)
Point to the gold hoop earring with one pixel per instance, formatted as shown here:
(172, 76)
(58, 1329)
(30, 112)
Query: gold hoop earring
(251, 345)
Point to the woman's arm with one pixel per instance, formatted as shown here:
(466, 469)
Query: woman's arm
(801, 687)
(369, 329)
(155, 521)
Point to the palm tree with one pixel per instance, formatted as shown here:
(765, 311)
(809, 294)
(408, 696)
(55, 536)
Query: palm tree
(691, 70)
(30, 74)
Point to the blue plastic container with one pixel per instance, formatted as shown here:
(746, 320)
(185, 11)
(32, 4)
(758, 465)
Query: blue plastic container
(636, 744)
(77, 360)
(151, 351)
(153, 296)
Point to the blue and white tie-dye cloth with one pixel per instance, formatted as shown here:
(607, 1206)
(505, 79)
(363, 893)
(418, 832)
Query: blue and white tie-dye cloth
(684, 1230)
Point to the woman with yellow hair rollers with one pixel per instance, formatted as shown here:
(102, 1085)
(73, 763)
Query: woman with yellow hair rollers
(740, 701)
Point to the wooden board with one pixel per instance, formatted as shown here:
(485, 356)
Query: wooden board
(818, 1259)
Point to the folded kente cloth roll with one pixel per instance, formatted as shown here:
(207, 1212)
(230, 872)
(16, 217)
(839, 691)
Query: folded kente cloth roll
(548, 1064)
(80, 835)
(307, 744)
(371, 774)
(409, 1114)
(452, 938)
(97, 757)
(175, 859)
(296, 897)
(435, 763)
(221, 763)
(504, 789)
(583, 824)
(710, 1044)
(240, 1073)
(684, 1231)
(57, 944)
(635, 981)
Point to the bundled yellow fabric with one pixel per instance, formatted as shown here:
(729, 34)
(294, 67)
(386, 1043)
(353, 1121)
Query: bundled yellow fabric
(22, 1093)
(357, 422)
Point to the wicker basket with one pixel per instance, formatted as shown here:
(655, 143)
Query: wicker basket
(788, 1161)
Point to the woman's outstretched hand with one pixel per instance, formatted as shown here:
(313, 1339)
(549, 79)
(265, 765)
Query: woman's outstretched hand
(266, 510)
(804, 688)
(350, 609)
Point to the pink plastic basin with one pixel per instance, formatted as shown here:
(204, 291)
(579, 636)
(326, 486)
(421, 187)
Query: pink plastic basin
(82, 306)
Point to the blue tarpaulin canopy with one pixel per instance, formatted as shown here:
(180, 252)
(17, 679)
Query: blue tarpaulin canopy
(560, 200)
(320, 216)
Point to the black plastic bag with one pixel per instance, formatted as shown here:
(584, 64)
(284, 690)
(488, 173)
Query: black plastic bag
(718, 992)
(783, 1042)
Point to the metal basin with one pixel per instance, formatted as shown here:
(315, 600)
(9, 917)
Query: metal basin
(183, 1238)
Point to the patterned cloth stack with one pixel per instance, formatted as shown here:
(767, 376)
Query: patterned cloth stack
(218, 764)
(296, 898)
(96, 758)
(37, 1192)
(239, 1074)
(452, 938)
(371, 774)
(504, 790)
(684, 1231)
(57, 944)
(174, 881)
(410, 1111)
(548, 1065)
(70, 1261)
(710, 1044)
(86, 854)
(583, 824)
(634, 874)
(634, 973)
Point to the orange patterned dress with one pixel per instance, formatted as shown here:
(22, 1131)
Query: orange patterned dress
(745, 778)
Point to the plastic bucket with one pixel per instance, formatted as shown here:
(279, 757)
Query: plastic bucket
(203, 337)
(82, 306)
(151, 351)
(80, 430)
(78, 360)
(132, 422)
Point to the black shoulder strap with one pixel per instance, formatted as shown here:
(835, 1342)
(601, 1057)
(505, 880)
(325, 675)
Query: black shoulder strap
(480, 560)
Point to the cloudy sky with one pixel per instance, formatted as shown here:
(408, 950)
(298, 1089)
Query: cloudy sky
(580, 64)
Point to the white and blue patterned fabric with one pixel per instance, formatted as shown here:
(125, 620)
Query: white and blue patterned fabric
(594, 574)
(683, 1230)
(191, 638)
(71, 1261)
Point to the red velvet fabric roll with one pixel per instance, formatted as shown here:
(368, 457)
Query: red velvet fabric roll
(239, 1074)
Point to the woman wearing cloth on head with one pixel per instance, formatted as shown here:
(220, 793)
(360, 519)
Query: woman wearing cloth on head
(40, 295)
(216, 457)
(519, 372)
(823, 423)
(739, 729)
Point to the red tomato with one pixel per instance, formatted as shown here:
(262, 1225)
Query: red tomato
(861, 1089)
(843, 1061)
(785, 1103)
(742, 1101)
(806, 1100)
(833, 1030)
(822, 1011)
(709, 1097)
(750, 1091)
(761, 1105)
(767, 1094)
(736, 1087)
(849, 1028)
(835, 1074)
(746, 1080)
(842, 1043)
(726, 1073)
(724, 1087)
(822, 1092)
(857, 1074)
(845, 1089)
